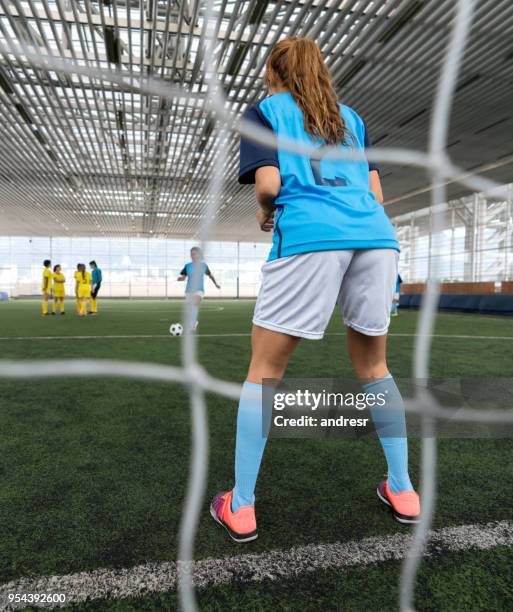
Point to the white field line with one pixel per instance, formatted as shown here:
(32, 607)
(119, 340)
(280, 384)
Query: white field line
(237, 335)
(115, 303)
(164, 310)
(115, 337)
(142, 580)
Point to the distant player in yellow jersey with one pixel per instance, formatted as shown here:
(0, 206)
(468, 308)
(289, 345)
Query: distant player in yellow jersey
(46, 285)
(76, 276)
(83, 289)
(58, 289)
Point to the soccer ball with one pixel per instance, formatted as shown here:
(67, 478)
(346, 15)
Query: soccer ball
(176, 329)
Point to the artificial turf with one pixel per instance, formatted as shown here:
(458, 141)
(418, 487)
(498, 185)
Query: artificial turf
(94, 471)
(456, 582)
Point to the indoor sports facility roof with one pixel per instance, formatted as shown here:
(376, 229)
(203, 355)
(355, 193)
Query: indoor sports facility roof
(84, 156)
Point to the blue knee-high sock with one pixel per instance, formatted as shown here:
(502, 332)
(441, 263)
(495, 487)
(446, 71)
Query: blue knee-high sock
(194, 315)
(250, 445)
(390, 423)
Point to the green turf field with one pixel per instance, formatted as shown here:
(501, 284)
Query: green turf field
(94, 472)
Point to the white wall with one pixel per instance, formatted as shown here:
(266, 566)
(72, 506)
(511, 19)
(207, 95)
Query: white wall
(475, 244)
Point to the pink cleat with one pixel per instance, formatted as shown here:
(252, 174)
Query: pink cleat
(240, 525)
(405, 505)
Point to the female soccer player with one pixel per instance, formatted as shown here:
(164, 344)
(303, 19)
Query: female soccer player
(83, 289)
(46, 285)
(58, 289)
(194, 272)
(96, 275)
(76, 275)
(332, 244)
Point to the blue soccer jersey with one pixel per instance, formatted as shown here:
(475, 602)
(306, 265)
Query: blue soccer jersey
(96, 274)
(195, 283)
(323, 204)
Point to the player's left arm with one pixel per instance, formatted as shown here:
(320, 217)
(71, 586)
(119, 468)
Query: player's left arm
(211, 277)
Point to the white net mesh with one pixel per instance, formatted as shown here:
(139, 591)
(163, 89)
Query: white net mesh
(192, 374)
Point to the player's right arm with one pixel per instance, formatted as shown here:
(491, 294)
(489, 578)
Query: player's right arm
(259, 165)
(267, 189)
(375, 185)
(374, 180)
(183, 274)
(47, 278)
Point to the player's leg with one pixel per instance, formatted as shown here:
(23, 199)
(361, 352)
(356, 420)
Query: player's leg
(366, 295)
(93, 302)
(368, 355)
(271, 352)
(395, 306)
(83, 306)
(196, 299)
(54, 305)
(296, 301)
(44, 304)
(62, 306)
(235, 510)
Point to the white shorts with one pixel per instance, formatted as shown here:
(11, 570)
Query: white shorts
(194, 293)
(298, 293)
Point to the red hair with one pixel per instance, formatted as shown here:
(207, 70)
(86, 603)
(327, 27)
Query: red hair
(297, 64)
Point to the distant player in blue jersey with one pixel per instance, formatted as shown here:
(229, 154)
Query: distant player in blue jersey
(333, 245)
(96, 276)
(397, 296)
(195, 287)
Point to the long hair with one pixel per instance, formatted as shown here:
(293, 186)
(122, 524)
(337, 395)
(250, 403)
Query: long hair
(81, 268)
(297, 64)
